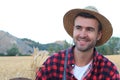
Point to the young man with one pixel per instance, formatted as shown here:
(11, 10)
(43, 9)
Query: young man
(89, 29)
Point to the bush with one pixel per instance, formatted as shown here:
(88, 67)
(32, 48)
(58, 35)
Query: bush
(2, 54)
(13, 51)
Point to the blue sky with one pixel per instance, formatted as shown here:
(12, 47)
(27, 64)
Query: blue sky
(42, 20)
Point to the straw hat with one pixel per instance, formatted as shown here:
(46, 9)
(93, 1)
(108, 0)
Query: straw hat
(106, 25)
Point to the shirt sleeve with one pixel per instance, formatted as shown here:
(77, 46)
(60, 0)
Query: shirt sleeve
(40, 75)
(44, 72)
(116, 76)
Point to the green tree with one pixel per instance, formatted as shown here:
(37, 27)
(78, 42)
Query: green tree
(66, 44)
(114, 43)
(111, 47)
(51, 49)
(13, 51)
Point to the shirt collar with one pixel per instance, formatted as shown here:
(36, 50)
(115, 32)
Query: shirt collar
(71, 56)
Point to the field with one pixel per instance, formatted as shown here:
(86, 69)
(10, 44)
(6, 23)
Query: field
(13, 67)
(115, 59)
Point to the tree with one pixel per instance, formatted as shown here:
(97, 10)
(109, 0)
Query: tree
(13, 51)
(66, 44)
(111, 47)
(104, 49)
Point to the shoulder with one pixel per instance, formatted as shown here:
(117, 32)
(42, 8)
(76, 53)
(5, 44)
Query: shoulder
(58, 54)
(56, 57)
(107, 65)
(105, 60)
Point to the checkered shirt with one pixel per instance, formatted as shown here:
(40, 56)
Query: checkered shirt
(100, 69)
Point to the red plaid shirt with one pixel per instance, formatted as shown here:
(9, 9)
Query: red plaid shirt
(101, 69)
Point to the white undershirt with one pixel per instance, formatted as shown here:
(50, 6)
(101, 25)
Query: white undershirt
(79, 71)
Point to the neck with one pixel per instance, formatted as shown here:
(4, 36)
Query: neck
(82, 58)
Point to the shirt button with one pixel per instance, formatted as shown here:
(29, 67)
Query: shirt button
(72, 76)
(73, 65)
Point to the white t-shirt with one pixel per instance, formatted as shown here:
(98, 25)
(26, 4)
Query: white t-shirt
(79, 71)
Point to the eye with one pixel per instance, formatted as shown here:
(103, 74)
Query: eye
(90, 29)
(78, 27)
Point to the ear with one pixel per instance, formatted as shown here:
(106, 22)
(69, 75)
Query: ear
(99, 35)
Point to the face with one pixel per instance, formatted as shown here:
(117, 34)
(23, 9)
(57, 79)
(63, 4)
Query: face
(85, 33)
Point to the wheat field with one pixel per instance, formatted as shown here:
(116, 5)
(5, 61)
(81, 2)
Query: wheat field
(15, 67)
(115, 59)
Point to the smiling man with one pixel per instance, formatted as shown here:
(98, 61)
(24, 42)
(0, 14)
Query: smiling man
(89, 29)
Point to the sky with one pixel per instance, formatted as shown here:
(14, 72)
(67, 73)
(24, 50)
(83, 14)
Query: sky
(42, 20)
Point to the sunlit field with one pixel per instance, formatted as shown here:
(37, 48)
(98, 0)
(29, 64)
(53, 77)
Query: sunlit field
(15, 67)
(115, 59)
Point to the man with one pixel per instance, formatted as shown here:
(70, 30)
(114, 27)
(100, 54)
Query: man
(89, 29)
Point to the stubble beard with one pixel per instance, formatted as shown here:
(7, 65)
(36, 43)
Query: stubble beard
(85, 48)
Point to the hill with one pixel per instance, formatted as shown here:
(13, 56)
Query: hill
(51, 47)
(7, 41)
(25, 46)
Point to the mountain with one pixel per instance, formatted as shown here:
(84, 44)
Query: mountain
(25, 46)
(51, 47)
(7, 41)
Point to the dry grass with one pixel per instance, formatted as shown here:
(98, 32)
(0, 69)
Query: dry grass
(22, 67)
(13, 67)
(115, 59)
(39, 58)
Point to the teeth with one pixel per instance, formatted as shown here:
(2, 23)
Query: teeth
(83, 39)
(79, 39)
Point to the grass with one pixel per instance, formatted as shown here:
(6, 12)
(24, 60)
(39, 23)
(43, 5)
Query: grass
(13, 67)
(115, 59)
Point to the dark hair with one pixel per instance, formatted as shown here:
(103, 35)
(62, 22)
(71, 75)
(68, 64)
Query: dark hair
(87, 15)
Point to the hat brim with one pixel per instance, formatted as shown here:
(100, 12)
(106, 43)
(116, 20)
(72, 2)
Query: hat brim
(106, 25)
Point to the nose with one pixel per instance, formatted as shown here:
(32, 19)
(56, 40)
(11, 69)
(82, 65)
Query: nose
(83, 33)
